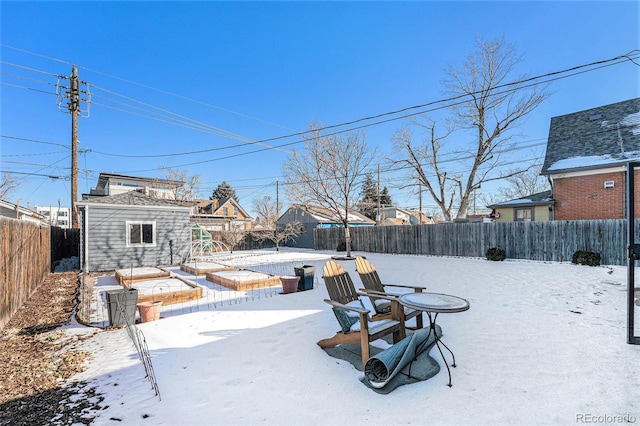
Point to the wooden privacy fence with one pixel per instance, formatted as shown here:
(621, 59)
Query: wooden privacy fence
(545, 241)
(26, 250)
(65, 243)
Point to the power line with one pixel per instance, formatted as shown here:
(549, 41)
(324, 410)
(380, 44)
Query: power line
(147, 87)
(461, 96)
(20, 77)
(433, 105)
(32, 154)
(11, 64)
(34, 141)
(18, 86)
(631, 56)
(191, 127)
(25, 164)
(446, 103)
(34, 174)
(439, 104)
(35, 54)
(183, 121)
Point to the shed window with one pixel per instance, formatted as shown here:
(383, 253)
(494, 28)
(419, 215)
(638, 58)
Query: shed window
(523, 215)
(141, 234)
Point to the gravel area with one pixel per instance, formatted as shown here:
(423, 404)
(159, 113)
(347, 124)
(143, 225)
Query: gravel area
(38, 359)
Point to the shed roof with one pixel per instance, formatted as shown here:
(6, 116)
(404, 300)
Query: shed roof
(133, 198)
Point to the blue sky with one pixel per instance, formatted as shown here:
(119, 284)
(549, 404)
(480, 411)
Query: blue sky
(262, 70)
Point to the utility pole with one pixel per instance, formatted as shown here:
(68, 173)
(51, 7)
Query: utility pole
(74, 110)
(420, 198)
(275, 225)
(378, 216)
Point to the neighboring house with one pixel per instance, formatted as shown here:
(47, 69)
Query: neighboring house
(132, 229)
(404, 217)
(57, 216)
(400, 216)
(394, 221)
(423, 219)
(113, 184)
(15, 211)
(586, 159)
(212, 215)
(537, 207)
(312, 217)
(220, 215)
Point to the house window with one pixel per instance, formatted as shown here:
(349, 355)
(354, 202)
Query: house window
(141, 234)
(225, 211)
(523, 215)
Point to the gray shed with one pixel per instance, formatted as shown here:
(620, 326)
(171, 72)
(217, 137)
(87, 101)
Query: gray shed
(132, 230)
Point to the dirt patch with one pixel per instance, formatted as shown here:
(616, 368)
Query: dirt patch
(38, 360)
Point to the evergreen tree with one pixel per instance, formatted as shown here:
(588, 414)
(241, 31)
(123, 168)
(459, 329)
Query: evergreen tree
(224, 190)
(385, 198)
(368, 204)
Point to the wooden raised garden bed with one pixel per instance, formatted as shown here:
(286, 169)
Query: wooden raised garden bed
(202, 268)
(242, 280)
(156, 284)
(170, 291)
(126, 277)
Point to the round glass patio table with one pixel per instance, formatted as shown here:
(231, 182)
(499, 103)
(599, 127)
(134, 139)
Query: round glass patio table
(434, 304)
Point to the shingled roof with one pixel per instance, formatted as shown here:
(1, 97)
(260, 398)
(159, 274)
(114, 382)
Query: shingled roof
(325, 215)
(599, 137)
(132, 198)
(540, 199)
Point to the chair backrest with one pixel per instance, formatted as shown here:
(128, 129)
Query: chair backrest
(368, 275)
(338, 283)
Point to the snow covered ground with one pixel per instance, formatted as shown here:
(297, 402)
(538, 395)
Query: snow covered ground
(543, 343)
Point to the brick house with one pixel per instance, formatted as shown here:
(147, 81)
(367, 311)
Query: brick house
(220, 215)
(586, 158)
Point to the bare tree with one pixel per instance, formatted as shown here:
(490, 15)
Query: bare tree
(524, 183)
(7, 185)
(268, 213)
(234, 236)
(424, 162)
(521, 185)
(489, 105)
(328, 173)
(188, 191)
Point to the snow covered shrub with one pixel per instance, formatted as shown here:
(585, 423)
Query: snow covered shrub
(494, 253)
(588, 258)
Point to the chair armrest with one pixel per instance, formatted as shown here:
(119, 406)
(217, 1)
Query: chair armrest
(417, 288)
(379, 294)
(348, 308)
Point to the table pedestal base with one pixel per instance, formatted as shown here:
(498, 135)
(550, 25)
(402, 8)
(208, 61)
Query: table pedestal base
(421, 348)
